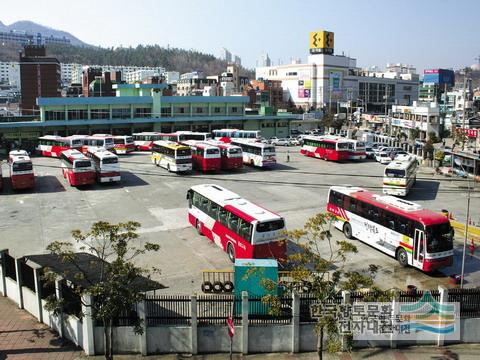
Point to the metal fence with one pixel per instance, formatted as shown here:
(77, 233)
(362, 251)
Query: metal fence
(215, 309)
(262, 311)
(167, 310)
(469, 300)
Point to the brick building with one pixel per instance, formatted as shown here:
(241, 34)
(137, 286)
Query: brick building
(40, 76)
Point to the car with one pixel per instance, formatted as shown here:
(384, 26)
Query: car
(400, 153)
(279, 142)
(383, 158)
(370, 153)
(294, 141)
(420, 142)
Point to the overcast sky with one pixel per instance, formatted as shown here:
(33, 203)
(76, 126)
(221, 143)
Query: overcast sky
(424, 33)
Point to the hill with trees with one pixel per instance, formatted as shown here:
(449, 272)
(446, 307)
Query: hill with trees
(172, 59)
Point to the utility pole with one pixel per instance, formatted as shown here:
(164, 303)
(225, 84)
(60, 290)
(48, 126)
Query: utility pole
(464, 107)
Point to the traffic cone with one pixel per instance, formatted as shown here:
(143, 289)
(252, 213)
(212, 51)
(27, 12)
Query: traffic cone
(471, 247)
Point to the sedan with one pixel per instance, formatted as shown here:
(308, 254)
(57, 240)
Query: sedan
(280, 142)
(383, 158)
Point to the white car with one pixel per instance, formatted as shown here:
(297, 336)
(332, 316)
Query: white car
(383, 158)
(294, 141)
(280, 142)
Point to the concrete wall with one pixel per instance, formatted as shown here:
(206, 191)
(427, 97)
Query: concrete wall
(125, 341)
(168, 339)
(72, 329)
(12, 289)
(216, 339)
(269, 338)
(30, 301)
(308, 338)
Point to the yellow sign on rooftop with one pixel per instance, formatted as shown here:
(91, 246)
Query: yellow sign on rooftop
(321, 40)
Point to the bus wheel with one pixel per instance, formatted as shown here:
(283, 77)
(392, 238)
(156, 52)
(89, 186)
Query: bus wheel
(347, 230)
(217, 287)
(231, 253)
(168, 167)
(207, 287)
(157, 163)
(251, 162)
(228, 286)
(199, 227)
(402, 257)
(325, 157)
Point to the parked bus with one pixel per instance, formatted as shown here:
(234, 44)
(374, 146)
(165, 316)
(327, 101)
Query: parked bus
(172, 156)
(414, 236)
(99, 140)
(357, 150)
(205, 157)
(53, 145)
(144, 140)
(105, 163)
(326, 148)
(400, 175)
(226, 135)
(181, 136)
(242, 229)
(257, 153)
(77, 168)
(21, 170)
(123, 144)
(231, 155)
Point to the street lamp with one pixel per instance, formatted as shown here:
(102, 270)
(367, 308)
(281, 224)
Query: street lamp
(458, 161)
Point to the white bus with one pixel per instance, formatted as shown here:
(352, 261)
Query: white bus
(144, 140)
(226, 135)
(357, 150)
(257, 153)
(400, 175)
(123, 144)
(172, 156)
(100, 140)
(106, 164)
(404, 230)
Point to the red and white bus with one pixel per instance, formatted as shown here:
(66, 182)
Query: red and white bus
(231, 155)
(123, 144)
(99, 140)
(144, 140)
(414, 236)
(227, 135)
(77, 168)
(242, 229)
(205, 157)
(326, 148)
(21, 170)
(106, 164)
(53, 145)
(256, 153)
(180, 136)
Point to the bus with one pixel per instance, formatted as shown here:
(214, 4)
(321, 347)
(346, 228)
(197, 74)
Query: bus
(231, 155)
(256, 153)
(53, 145)
(400, 175)
(123, 144)
(99, 140)
(21, 170)
(172, 156)
(205, 157)
(326, 148)
(404, 230)
(226, 135)
(357, 149)
(105, 163)
(241, 228)
(144, 140)
(181, 136)
(77, 168)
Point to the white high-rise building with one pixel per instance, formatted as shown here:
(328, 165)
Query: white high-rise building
(264, 60)
(171, 77)
(10, 73)
(237, 60)
(71, 73)
(226, 55)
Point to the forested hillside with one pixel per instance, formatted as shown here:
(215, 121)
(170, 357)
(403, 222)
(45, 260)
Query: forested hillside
(172, 59)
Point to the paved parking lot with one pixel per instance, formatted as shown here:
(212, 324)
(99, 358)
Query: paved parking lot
(155, 198)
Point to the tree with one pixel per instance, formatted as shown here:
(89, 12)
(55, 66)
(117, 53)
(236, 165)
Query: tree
(115, 286)
(433, 137)
(459, 138)
(414, 133)
(321, 263)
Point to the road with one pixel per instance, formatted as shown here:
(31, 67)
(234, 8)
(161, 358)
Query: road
(297, 190)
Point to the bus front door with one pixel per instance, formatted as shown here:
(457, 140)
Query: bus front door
(418, 249)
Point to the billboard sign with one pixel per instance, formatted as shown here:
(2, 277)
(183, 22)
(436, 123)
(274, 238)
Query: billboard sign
(336, 81)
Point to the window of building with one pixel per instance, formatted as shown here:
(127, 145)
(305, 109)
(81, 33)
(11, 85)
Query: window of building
(216, 110)
(199, 110)
(99, 114)
(142, 112)
(120, 113)
(77, 114)
(54, 115)
(234, 109)
(166, 111)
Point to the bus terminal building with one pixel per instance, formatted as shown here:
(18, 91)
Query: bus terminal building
(143, 107)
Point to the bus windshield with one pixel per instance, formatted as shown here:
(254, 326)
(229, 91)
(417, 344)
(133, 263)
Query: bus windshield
(183, 152)
(77, 142)
(397, 173)
(269, 150)
(119, 141)
(212, 151)
(270, 225)
(342, 146)
(82, 164)
(111, 160)
(22, 166)
(108, 141)
(439, 237)
(233, 151)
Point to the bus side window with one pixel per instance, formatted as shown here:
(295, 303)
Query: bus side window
(197, 200)
(213, 210)
(223, 216)
(232, 223)
(245, 230)
(190, 198)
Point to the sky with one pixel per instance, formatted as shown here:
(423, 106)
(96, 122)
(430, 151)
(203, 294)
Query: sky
(423, 33)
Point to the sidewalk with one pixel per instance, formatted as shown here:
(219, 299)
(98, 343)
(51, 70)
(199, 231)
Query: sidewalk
(23, 337)
(462, 351)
